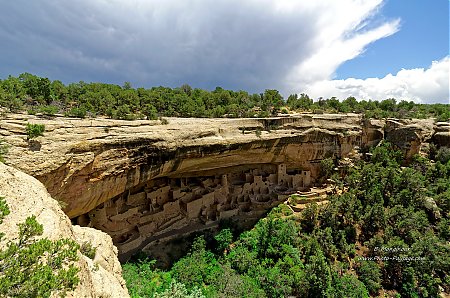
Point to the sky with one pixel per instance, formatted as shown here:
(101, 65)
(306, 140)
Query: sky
(369, 49)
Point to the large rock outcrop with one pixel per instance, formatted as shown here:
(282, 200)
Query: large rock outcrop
(409, 135)
(144, 182)
(26, 196)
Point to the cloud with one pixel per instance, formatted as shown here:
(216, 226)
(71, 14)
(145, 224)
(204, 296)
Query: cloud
(419, 84)
(246, 44)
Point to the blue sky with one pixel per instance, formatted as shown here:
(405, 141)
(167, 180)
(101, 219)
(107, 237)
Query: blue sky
(422, 38)
(369, 49)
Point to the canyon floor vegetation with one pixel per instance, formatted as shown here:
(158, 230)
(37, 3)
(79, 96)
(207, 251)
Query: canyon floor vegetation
(385, 231)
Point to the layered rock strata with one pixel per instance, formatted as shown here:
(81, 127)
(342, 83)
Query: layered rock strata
(144, 182)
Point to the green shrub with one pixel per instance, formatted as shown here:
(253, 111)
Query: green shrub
(326, 167)
(77, 112)
(88, 250)
(443, 155)
(34, 130)
(369, 274)
(143, 279)
(48, 110)
(179, 290)
(151, 112)
(31, 267)
(224, 238)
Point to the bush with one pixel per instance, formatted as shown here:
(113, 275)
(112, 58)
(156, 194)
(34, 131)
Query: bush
(88, 250)
(34, 130)
(326, 167)
(369, 274)
(143, 279)
(179, 290)
(48, 110)
(443, 155)
(36, 267)
(77, 112)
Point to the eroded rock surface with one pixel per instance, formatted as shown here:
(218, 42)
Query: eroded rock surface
(26, 196)
(143, 182)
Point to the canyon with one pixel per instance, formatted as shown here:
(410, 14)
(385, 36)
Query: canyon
(147, 183)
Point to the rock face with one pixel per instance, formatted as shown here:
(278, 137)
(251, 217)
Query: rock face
(441, 137)
(409, 135)
(26, 196)
(143, 182)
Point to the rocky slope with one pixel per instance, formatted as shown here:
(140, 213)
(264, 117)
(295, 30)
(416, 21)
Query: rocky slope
(144, 182)
(26, 196)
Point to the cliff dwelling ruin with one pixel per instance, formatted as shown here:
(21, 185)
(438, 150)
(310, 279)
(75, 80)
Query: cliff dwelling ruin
(174, 206)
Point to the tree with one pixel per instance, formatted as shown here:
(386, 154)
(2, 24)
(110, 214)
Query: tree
(318, 274)
(198, 267)
(224, 239)
(388, 105)
(304, 102)
(350, 287)
(326, 167)
(151, 112)
(369, 273)
(144, 279)
(179, 290)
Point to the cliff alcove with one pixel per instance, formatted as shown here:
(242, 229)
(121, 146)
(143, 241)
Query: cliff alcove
(146, 183)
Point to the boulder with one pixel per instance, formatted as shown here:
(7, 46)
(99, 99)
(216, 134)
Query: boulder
(26, 196)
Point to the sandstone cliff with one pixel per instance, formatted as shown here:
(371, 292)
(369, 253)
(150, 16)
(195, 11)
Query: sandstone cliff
(26, 196)
(143, 182)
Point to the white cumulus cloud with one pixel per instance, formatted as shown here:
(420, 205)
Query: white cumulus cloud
(419, 84)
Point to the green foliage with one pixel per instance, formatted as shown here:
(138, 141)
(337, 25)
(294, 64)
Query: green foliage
(349, 286)
(151, 112)
(198, 268)
(326, 167)
(88, 250)
(77, 112)
(48, 110)
(224, 239)
(34, 267)
(144, 280)
(179, 290)
(4, 209)
(36, 94)
(443, 155)
(34, 130)
(318, 273)
(369, 273)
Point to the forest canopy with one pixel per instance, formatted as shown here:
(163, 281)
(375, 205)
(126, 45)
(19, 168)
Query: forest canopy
(38, 95)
